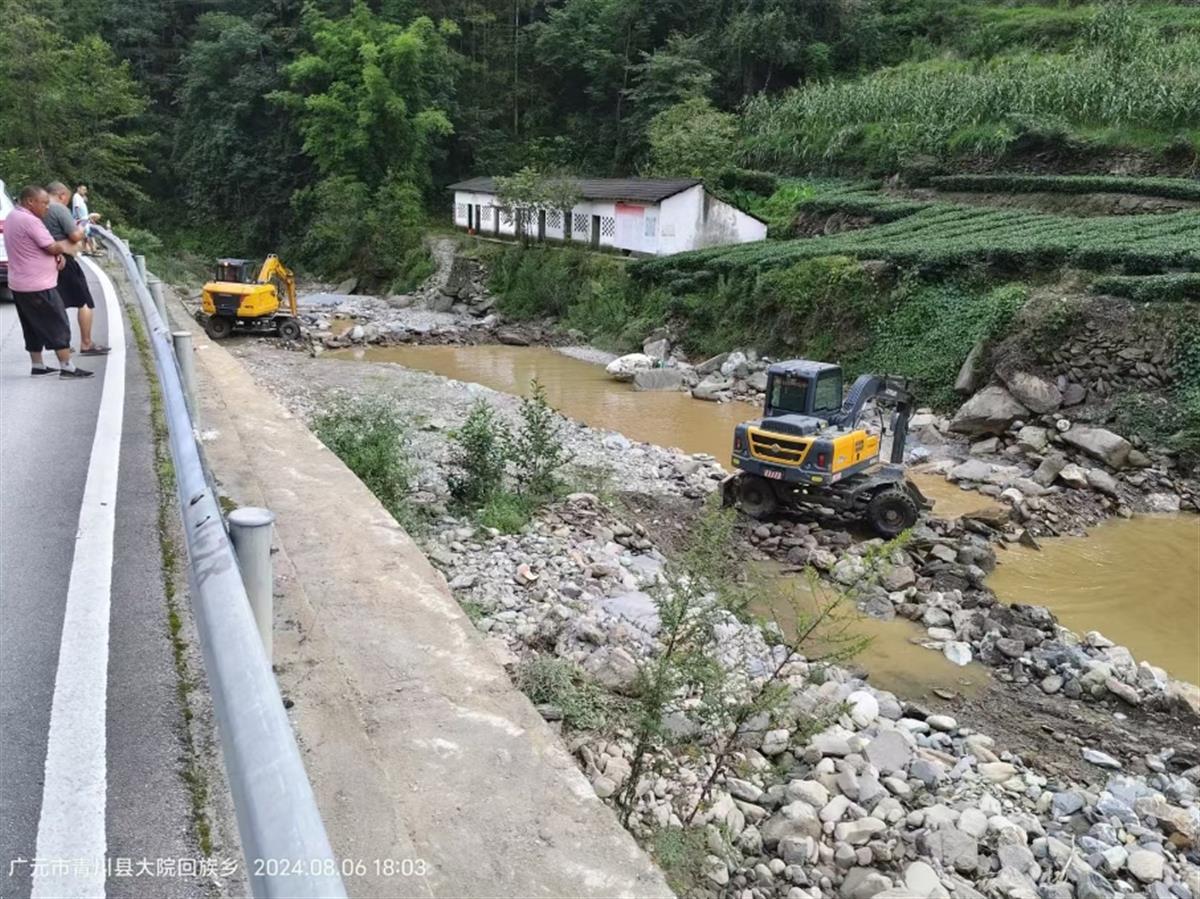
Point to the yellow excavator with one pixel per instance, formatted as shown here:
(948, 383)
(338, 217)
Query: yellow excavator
(808, 448)
(235, 300)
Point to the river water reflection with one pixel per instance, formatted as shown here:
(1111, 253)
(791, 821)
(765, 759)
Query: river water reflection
(1136, 581)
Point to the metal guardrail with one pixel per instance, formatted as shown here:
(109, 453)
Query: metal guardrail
(286, 849)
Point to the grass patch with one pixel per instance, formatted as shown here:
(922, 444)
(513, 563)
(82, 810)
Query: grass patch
(371, 438)
(1178, 286)
(507, 512)
(552, 681)
(681, 854)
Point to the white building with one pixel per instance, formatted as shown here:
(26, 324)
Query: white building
(646, 216)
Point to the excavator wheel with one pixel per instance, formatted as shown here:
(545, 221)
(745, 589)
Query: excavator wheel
(756, 496)
(891, 511)
(218, 327)
(289, 329)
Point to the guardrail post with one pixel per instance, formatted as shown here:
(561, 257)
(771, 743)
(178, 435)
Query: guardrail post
(141, 265)
(187, 370)
(156, 291)
(250, 532)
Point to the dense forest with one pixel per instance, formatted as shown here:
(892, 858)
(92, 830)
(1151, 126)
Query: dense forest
(329, 128)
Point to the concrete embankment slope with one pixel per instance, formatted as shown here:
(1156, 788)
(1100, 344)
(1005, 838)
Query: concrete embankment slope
(423, 756)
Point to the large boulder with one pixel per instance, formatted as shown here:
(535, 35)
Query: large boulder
(1111, 449)
(657, 349)
(623, 368)
(990, 411)
(1036, 394)
(658, 379)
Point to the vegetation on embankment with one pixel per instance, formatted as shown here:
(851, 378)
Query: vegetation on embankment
(1121, 87)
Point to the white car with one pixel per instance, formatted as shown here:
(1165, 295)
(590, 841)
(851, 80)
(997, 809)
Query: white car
(6, 206)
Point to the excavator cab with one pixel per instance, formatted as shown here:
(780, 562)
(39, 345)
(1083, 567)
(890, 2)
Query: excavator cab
(808, 448)
(236, 299)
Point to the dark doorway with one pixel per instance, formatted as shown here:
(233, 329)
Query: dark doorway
(595, 230)
(496, 220)
(470, 217)
(541, 224)
(478, 218)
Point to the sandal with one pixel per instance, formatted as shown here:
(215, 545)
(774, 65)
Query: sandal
(96, 350)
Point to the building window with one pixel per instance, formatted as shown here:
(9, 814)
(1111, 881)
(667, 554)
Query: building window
(651, 224)
(506, 218)
(485, 214)
(460, 212)
(581, 223)
(608, 226)
(554, 219)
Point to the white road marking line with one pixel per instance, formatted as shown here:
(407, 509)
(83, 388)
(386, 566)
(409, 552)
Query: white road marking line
(71, 828)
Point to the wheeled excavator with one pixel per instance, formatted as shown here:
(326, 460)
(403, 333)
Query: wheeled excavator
(235, 300)
(809, 448)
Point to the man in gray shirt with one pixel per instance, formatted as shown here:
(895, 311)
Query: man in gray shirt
(72, 282)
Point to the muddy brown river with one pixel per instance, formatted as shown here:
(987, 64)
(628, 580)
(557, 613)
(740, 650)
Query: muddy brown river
(1136, 581)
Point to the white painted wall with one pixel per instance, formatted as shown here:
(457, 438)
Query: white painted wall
(686, 221)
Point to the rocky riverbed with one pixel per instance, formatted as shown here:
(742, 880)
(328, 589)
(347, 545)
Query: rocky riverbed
(1074, 773)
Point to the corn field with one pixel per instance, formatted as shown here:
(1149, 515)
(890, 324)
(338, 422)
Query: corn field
(953, 108)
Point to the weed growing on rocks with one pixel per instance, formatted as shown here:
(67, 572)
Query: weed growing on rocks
(549, 681)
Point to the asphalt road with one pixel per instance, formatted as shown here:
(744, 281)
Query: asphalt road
(92, 795)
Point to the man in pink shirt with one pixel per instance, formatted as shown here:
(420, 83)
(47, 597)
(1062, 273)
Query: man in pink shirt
(34, 258)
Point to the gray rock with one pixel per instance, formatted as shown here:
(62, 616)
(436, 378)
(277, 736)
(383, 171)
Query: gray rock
(922, 881)
(797, 850)
(1102, 759)
(985, 447)
(810, 791)
(942, 722)
(1048, 471)
(1051, 684)
(1032, 438)
(708, 366)
(958, 652)
(968, 375)
(860, 832)
(1101, 480)
(997, 772)
(1145, 865)
(890, 752)
(1109, 448)
(1036, 394)
(657, 349)
(794, 819)
(973, 822)
(863, 883)
(928, 772)
(775, 741)
(613, 667)
(637, 608)
(990, 411)
(971, 470)
(742, 789)
(623, 368)
(1067, 802)
(954, 849)
(1073, 476)
(658, 379)
(898, 577)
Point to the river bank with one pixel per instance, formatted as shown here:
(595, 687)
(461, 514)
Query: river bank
(569, 587)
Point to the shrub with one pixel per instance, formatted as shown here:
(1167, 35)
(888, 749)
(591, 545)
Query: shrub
(553, 681)
(369, 436)
(479, 457)
(1170, 188)
(1151, 288)
(536, 451)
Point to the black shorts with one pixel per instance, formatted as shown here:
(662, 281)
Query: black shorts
(73, 285)
(43, 320)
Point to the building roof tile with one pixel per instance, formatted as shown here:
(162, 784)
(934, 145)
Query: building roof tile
(649, 190)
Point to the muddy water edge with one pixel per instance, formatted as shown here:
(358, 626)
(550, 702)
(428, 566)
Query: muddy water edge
(1138, 581)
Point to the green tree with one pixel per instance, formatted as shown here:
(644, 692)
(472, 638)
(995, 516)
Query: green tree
(237, 154)
(691, 138)
(68, 110)
(528, 191)
(372, 98)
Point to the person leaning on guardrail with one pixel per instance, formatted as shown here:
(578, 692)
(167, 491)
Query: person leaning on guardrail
(72, 282)
(79, 209)
(34, 258)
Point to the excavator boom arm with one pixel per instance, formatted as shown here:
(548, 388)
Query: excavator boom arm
(273, 268)
(887, 390)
